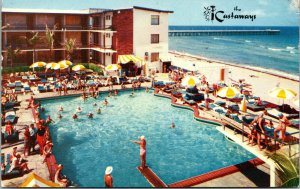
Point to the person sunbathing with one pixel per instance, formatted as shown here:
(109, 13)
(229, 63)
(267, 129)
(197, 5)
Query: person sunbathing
(18, 164)
(9, 128)
(283, 123)
(258, 102)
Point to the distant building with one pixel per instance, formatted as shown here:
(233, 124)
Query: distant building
(101, 34)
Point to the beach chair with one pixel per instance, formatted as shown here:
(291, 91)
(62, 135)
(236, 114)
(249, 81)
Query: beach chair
(27, 88)
(273, 112)
(41, 89)
(295, 123)
(18, 84)
(18, 90)
(11, 85)
(254, 107)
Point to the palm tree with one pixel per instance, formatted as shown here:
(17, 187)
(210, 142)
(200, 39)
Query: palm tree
(288, 169)
(32, 42)
(70, 46)
(12, 54)
(50, 40)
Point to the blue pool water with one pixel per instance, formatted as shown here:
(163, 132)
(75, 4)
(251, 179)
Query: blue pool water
(85, 147)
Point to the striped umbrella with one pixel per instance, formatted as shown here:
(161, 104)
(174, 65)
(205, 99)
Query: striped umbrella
(60, 66)
(78, 67)
(228, 92)
(67, 62)
(38, 65)
(282, 93)
(124, 59)
(112, 67)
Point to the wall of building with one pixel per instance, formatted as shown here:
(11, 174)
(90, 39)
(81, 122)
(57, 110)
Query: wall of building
(143, 29)
(122, 22)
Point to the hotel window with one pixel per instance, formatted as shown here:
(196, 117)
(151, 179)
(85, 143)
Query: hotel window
(154, 57)
(107, 17)
(108, 35)
(154, 38)
(154, 19)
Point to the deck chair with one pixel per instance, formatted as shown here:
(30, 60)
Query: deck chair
(27, 88)
(41, 88)
(18, 84)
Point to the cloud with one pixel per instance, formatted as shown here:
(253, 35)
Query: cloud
(263, 2)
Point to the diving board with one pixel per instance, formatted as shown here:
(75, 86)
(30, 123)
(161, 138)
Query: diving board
(152, 178)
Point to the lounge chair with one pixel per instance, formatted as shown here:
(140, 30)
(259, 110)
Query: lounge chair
(18, 84)
(24, 78)
(41, 88)
(235, 118)
(273, 112)
(27, 88)
(234, 108)
(14, 137)
(219, 109)
(220, 103)
(190, 102)
(11, 85)
(10, 116)
(18, 90)
(248, 119)
(254, 107)
(295, 123)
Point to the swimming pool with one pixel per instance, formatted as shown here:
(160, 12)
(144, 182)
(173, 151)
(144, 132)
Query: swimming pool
(86, 146)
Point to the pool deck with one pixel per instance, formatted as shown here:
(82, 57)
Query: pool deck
(25, 117)
(35, 160)
(237, 178)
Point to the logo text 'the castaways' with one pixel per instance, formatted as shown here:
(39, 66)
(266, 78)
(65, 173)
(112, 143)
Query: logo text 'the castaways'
(211, 14)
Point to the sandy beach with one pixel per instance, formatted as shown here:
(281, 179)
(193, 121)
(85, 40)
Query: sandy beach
(261, 82)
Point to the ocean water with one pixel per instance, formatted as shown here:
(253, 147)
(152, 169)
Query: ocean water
(86, 146)
(272, 52)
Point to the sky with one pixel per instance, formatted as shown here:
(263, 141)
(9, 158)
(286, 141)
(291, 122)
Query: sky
(186, 12)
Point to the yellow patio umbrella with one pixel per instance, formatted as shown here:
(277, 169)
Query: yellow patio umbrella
(190, 81)
(60, 66)
(51, 65)
(67, 62)
(38, 65)
(244, 105)
(228, 92)
(78, 67)
(112, 67)
(282, 93)
(34, 180)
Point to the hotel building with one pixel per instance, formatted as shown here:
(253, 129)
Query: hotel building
(101, 35)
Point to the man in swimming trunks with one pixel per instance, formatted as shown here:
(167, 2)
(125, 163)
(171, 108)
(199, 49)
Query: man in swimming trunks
(142, 144)
(283, 122)
(108, 179)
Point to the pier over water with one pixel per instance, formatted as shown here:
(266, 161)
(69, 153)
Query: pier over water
(222, 32)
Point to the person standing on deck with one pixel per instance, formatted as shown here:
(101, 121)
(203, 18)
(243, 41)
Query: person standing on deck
(32, 139)
(108, 179)
(142, 144)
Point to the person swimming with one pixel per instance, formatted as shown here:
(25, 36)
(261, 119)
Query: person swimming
(105, 102)
(147, 90)
(115, 92)
(59, 116)
(109, 94)
(42, 108)
(78, 109)
(61, 109)
(132, 94)
(74, 116)
(90, 115)
(95, 104)
(98, 111)
(172, 125)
